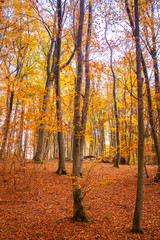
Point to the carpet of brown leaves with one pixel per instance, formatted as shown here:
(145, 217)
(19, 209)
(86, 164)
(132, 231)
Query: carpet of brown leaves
(36, 203)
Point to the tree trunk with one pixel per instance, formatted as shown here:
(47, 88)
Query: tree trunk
(79, 212)
(25, 144)
(42, 128)
(87, 87)
(116, 164)
(137, 220)
(6, 126)
(130, 126)
(20, 137)
(61, 166)
(151, 118)
(156, 70)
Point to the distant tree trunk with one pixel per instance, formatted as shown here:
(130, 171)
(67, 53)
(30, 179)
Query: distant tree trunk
(25, 144)
(61, 166)
(20, 137)
(47, 145)
(93, 143)
(42, 128)
(79, 212)
(130, 127)
(6, 126)
(11, 138)
(116, 164)
(87, 87)
(102, 138)
(137, 220)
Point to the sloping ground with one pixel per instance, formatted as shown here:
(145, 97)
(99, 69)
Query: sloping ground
(36, 203)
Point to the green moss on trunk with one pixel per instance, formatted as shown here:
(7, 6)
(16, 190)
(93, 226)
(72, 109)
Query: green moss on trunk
(80, 215)
(37, 160)
(79, 212)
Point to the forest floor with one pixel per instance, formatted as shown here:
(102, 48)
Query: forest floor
(36, 203)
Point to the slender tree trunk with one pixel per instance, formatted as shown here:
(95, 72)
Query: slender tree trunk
(79, 212)
(137, 220)
(87, 87)
(116, 164)
(42, 128)
(6, 126)
(61, 167)
(130, 125)
(156, 70)
(151, 117)
(20, 137)
(25, 144)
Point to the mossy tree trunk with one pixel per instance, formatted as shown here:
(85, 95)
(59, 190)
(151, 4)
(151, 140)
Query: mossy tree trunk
(79, 214)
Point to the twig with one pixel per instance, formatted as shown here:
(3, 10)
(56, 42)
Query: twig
(5, 201)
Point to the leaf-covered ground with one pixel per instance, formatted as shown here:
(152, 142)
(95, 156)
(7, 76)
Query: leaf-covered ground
(36, 203)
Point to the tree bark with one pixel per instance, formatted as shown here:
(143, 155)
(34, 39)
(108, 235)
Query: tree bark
(87, 87)
(61, 166)
(20, 137)
(77, 99)
(79, 212)
(6, 126)
(153, 53)
(116, 164)
(42, 128)
(137, 220)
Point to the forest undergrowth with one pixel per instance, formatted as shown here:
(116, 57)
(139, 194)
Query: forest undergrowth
(36, 203)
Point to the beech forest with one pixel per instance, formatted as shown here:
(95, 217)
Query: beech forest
(80, 119)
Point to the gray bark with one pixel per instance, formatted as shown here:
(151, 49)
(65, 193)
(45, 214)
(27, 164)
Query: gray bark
(61, 166)
(77, 99)
(87, 87)
(42, 128)
(137, 220)
(6, 126)
(78, 209)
